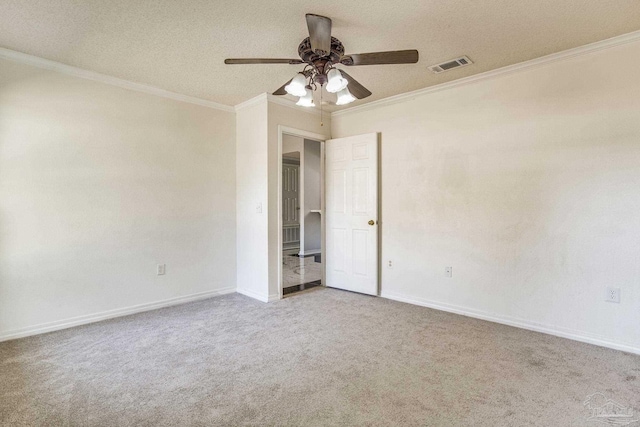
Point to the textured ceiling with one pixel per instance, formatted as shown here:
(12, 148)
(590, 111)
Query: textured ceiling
(180, 45)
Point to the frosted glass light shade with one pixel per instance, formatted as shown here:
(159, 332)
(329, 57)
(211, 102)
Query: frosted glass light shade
(297, 87)
(345, 97)
(335, 81)
(306, 100)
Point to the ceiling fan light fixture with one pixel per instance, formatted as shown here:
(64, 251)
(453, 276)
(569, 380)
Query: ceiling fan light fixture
(307, 99)
(298, 85)
(345, 97)
(319, 53)
(335, 81)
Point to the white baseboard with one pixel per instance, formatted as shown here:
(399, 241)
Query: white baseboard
(259, 297)
(254, 295)
(511, 321)
(273, 297)
(110, 314)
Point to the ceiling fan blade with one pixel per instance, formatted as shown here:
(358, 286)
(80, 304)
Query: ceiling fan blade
(356, 88)
(281, 90)
(263, 61)
(319, 33)
(375, 58)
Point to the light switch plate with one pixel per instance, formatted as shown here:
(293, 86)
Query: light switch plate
(613, 295)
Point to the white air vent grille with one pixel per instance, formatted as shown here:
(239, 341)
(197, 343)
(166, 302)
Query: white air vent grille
(449, 65)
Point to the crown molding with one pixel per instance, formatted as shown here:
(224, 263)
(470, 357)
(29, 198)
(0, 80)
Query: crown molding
(285, 102)
(250, 102)
(509, 69)
(47, 64)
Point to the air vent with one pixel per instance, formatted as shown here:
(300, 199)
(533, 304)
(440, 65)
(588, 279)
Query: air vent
(450, 65)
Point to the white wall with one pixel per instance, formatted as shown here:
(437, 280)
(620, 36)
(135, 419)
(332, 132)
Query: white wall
(312, 183)
(252, 200)
(99, 184)
(528, 185)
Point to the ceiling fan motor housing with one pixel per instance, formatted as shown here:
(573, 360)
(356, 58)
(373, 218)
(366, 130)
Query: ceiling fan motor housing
(311, 57)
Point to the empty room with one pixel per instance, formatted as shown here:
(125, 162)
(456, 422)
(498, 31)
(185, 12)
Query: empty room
(295, 213)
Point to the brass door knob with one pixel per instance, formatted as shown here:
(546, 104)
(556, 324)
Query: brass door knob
(371, 222)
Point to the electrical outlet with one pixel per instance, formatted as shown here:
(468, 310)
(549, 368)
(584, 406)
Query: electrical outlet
(613, 295)
(448, 272)
(161, 269)
(259, 208)
(390, 264)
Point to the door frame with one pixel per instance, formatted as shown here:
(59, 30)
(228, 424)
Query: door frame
(282, 130)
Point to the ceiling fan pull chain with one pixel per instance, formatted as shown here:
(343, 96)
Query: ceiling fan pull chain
(321, 106)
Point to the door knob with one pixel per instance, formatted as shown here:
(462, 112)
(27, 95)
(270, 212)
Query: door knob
(371, 222)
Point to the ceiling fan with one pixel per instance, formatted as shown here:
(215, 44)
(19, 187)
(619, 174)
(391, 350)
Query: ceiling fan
(321, 52)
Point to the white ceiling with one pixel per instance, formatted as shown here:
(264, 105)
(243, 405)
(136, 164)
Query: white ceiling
(180, 46)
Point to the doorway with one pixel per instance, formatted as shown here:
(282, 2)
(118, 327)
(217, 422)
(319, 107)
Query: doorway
(300, 211)
(349, 182)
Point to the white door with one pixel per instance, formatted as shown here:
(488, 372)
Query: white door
(351, 211)
(290, 207)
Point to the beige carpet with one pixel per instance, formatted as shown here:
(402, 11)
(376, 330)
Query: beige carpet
(322, 357)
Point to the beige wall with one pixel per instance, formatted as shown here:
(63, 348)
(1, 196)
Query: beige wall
(99, 184)
(291, 144)
(527, 184)
(251, 173)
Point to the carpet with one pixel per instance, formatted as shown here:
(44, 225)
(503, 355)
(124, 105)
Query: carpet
(321, 357)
